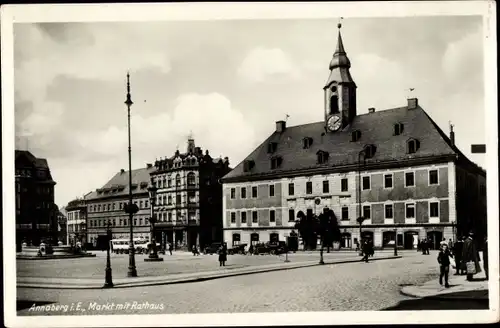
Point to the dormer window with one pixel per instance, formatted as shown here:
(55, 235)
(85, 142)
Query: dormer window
(276, 162)
(413, 145)
(307, 142)
(369, 151)
(322, 157)
(248, 165)
(272, 147)
(398, 129)
(355, 135)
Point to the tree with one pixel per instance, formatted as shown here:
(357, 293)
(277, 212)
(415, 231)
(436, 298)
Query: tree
(307, 227)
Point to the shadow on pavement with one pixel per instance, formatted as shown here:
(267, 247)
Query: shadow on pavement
(23, 304)
(469, 300)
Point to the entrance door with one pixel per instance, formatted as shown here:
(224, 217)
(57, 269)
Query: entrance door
(346, 240)
(388, 238)
(409, 239)
(435, 238)
(254, 238)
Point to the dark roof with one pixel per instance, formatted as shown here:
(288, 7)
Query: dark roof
(36, 162)
(376, 128)
(118, 185)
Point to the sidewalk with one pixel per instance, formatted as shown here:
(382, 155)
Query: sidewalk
(460, 288)
(69, 283)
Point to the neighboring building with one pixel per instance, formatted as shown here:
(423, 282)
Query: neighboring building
(76, 218)
(189, 198)
(394, 167)
(36, 213)
(106, 204)
(62, 226)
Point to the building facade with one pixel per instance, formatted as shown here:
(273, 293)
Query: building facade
(395, 168)
(62, 226)
(188, 206)
(106, 204)
(36, 212)
(76, 222)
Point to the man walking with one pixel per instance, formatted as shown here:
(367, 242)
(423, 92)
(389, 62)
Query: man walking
(470, 256)
(444, 264)
(457, 253)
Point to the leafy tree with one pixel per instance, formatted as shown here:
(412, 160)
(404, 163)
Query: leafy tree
(307, 227)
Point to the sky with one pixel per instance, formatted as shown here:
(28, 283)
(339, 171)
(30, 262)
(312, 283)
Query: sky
(226, 82)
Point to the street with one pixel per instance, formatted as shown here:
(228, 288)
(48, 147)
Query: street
(341, 287)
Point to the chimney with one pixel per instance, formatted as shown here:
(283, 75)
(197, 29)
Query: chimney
(371, 110)
(122, 171)
(412, 103)
(452, 135)
(280, 126)
(149, 165)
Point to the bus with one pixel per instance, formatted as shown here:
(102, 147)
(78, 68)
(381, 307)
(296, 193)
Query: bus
(120, 246)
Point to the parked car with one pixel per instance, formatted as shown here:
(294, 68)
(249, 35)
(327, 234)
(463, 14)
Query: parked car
(212, 249)
(237, 249)
(277, 247)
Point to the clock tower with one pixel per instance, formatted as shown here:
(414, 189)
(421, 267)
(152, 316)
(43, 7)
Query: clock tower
(339, 90)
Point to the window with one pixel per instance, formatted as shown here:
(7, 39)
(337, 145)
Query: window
(135, 222)
(243, 217)
(343, 184)
(291, 215)
(140, 221)
(99, 224)
(389, 211)
(272, 216)
(233, 217)
(114, 222)
(113, 206)
(191, 179)
(345, 213)
(243, 192)
(109, 207)
(322, 157)
(434, 209)
(355, 135)
(367, 212)
(121, 221)
(366, 183)
(177, 180)
(398, 129)
(271, 190)
(236, 239)
(409, 179)
(291, 189)
(141, 203)
(309, 187)
(233, 193)
(255, 218)
(254, 192)
(276, 162)
(307, 142)
(410, 211)
(272, 147)
(121, 206)
(413, 145)
(146, 204)
(178, 199)
(433, 177)
(248, 165)
(169, 216)
(169, 182)
(369, 151)
(388, 181)
(326, 186)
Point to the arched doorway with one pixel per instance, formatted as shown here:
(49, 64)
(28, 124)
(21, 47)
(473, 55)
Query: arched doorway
(274, 237)
(388, 238)
(435, 238)
(236, 239)
(410, 239)
(254, 238)
(346, 240)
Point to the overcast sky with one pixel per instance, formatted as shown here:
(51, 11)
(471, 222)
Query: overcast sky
(227, 82)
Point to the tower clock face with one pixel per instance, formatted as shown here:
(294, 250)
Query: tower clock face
(334, 123)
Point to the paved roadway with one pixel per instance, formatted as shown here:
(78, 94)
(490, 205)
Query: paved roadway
(353, 286)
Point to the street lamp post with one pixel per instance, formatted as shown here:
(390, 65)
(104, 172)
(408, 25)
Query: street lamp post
(360, 218)
(153, 252)
(108, 283)
(130, 208)
(395, 241)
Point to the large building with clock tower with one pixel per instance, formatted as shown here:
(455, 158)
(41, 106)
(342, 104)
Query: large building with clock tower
(395, 168)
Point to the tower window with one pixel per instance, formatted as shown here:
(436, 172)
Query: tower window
(398, 129)
(307, 142)
(322, 157)
(248, 165)
(334, 104)
(369, 151)
(272, 147)
(276, 162)
(413, 146)
(355, 135)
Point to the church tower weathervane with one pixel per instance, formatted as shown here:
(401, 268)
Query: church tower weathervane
(339, 90)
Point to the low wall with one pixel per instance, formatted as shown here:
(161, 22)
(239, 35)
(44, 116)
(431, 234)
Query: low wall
(31, 252)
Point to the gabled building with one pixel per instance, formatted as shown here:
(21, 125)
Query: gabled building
(76, 221)
(36, 212)
(106, 204)
(189, 198)
(395, 168)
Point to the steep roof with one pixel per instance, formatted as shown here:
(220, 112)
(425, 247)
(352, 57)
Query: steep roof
(118, 185)
(376, 128)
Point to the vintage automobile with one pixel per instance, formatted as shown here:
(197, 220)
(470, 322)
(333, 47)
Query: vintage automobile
(212, 249)
(237, 249)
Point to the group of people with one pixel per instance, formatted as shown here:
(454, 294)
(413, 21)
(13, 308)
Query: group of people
(466, 255)
(367, 249)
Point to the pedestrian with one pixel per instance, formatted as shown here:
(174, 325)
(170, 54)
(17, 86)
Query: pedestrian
(418, 245)
(450, 244)
(485, 257)
(371, 247)
(170, 248)
(365, 248)
(457, 253)
(223, 254)
(423, 246)
(470, 256)
(444, 264)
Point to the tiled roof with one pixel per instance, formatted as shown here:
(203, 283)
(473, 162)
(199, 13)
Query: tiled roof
(118, 185)
(376, 128)
(37, 162)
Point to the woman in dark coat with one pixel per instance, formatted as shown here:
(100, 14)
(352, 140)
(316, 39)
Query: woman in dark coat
(470, 254)
(223, 254)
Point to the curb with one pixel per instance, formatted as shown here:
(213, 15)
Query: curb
(194, 279)
(446, 296)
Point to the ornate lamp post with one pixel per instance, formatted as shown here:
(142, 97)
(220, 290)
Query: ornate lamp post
(130, 208)
(360, 218)
(153, 252)
(108, 283)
